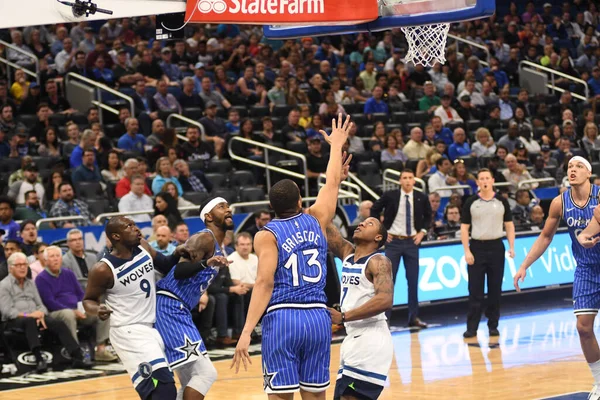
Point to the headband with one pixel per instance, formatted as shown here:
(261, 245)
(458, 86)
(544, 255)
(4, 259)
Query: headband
(211, 204)
(583, 161)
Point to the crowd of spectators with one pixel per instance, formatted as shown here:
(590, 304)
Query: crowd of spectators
(444, 123)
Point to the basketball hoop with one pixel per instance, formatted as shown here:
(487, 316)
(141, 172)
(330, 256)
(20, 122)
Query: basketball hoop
(426, 44)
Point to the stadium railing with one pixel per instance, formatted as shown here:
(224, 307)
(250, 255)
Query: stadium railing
(100, 88)
(188, 121)
(349, 189)
(458, 39)
(266, 165)
(363, 185)
(10, 64)
(39, 222)
(528, 65)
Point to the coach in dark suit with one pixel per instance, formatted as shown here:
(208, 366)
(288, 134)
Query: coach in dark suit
(406, 216)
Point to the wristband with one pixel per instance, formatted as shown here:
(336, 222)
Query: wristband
(343, 318)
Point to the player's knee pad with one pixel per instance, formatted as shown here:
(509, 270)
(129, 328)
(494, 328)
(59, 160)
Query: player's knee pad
(203, 377)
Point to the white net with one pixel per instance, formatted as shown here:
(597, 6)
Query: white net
(426, 44)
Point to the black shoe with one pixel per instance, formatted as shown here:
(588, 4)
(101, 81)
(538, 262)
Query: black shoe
(82, 364)
(469, 334)
(494, 332)
(41, 367)
(417, 323)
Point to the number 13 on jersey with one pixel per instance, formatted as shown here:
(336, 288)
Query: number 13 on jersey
(292, 263)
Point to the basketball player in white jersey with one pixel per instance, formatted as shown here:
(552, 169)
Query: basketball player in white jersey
(367, 293)
(125, 278)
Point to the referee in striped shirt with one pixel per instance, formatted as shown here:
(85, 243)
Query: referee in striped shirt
(486, 214)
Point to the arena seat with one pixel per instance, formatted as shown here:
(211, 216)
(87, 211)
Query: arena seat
(222, 166)
(241, 179)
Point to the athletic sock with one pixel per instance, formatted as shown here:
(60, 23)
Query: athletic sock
(595, 368)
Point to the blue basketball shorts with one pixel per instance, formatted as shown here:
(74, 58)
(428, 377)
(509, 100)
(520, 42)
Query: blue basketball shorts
(586, 289)
(183, 343)
(296, 350)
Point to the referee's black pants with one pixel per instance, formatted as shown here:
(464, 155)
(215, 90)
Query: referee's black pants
(489, 261)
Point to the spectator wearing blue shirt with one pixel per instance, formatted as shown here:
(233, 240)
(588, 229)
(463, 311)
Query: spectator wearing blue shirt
(441, 132)
(376, 104)
(132, 140)
(87, 171)
(88, 140)
(460, 147)
(7, 224)
(163, 244)
(594, 81)
(227, 30)
(102, 74)
(327, 52)
(171, 70)
(233, 124)
(163, 175)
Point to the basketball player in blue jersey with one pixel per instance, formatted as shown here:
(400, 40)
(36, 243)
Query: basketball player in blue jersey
(180, 291)
(125, 277)
(367, 293)
(290, 283)
(576, 207)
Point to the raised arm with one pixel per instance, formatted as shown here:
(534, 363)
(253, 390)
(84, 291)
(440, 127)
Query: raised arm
(542, 242)
(379, 271)
(100, 279)
(326, 203)
(340, 247)
(265, 245)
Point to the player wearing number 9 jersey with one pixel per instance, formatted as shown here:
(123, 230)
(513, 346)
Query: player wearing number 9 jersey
(125, 277)
(291, 250)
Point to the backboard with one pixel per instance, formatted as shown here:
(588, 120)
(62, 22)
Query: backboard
(394, 14)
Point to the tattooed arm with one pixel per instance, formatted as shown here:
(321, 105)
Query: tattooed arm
(340, 247)
(379, 271)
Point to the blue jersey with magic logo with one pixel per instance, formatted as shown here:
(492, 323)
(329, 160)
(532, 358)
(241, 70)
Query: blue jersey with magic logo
(577, 219)
(302, 260)
(191, 289)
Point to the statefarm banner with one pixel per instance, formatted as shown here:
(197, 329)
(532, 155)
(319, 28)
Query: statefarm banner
(279, 12)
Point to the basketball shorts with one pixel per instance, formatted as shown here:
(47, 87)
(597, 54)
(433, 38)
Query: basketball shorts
(182, 340)
(365, 359)
(296, 349)
(586, 290)
(141, 351)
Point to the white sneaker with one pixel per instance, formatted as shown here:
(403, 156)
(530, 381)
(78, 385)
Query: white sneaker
(595, 393)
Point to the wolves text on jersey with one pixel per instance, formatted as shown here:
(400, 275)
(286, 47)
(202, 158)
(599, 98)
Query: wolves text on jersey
(137, 273)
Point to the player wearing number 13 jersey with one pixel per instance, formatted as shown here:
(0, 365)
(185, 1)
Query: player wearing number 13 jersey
(125, 277)
(292, 270)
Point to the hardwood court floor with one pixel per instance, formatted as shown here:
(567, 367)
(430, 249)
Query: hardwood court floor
(537, 356)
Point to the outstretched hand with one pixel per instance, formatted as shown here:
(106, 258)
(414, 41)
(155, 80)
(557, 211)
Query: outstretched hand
(339, 131)
(346, 158)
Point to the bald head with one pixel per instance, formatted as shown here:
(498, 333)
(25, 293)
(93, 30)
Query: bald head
(163, 236)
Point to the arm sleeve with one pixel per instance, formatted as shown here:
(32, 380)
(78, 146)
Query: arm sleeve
(187, 269)
(427, 214)
(507, 213)
(164, 264)
(465, 218)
